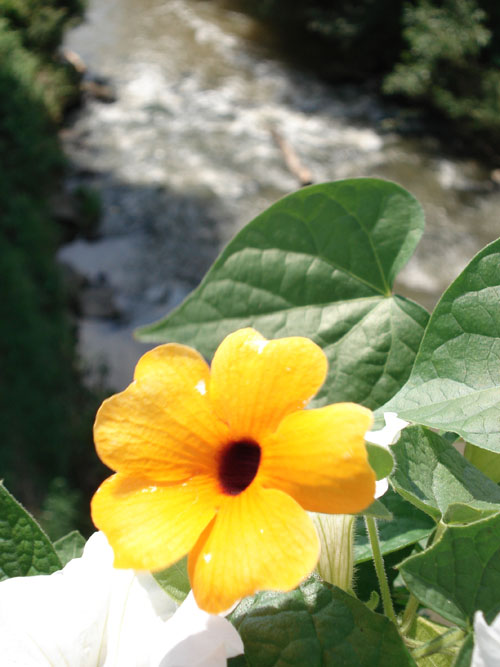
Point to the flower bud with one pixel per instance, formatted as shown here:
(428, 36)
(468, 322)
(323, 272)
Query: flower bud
(336, 535)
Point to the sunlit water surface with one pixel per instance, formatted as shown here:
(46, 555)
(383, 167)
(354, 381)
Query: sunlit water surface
(185, 156)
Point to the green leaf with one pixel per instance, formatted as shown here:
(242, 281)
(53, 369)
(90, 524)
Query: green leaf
(70, 546)
(318, 263)
(377, 510)
(464, 656)
(408, 525)
(487, 462)
(432, 474)
(380, 459)
(174, 580)
(460, 573)
(317, 625)
(455, 381)
(425, 630)
(24, 548)
(463, 513)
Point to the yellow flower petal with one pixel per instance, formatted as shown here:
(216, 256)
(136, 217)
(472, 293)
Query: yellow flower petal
(162, 426)
(260, 539)
(151, 526)
(319, 458)
(255, 383)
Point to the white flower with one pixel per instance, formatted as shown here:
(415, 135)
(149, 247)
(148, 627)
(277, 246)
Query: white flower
(90, 614)
(386, 436)
(486, 651)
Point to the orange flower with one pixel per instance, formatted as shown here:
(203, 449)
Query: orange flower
(222, 463)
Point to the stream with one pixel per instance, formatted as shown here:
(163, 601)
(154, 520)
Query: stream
(185, 155)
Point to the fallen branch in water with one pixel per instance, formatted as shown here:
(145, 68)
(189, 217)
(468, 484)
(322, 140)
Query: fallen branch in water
(292, 160)
(74, 59)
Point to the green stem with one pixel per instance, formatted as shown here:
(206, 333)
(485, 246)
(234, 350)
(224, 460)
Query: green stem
(413, 604)
(409, 614)
(371, 527)
(439, 644)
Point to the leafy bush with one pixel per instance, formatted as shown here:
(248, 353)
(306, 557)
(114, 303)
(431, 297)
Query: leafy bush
(448, 65)
(40, 23)
(441, 54)
(342, 39)
(44, 411)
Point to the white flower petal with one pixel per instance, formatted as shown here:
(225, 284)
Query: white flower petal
(486, 651)
(390, 433)
(59, 618)
(90, 614)
(193, 637)
(381, 486)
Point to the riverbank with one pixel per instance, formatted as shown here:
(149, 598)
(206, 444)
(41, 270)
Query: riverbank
(45, 411)
(439, 60)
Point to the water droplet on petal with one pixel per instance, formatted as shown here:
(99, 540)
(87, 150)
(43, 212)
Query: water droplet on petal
(201, 387)
(260, 345)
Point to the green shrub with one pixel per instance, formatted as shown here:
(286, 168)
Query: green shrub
(342, 39)
(46, 414)
(442, 55)
(40, 23)
(445, 63)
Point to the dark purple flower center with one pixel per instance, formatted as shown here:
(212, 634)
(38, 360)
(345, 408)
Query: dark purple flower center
(238, 466)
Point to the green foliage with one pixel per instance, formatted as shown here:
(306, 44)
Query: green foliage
(424, 630)
(61, 509)
(433, 475)
(464, 656)
(24, 548)
(446, 64)
(460, 573)
(380, 459)
(70, 546)
(44, 412)
(316, 624)
(90, 209)
(319, 263)
(40, 23)
(407, 526)
(455, 381)
(174, 580)
(341, 39)
(308, 265)
(442, 55)
(487, 462)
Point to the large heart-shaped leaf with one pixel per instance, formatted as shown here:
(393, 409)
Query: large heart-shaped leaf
(319, 263)
(433, 475)
(455, 382)
(460, 573)
(317, 625)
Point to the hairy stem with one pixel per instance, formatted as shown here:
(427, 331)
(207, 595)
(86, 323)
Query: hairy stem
(371, 527)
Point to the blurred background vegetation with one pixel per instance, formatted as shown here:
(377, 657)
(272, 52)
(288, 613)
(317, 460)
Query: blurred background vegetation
(443, 56)
(46, 454)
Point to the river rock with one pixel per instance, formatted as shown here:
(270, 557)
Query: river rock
(99, 301)
(99, 91)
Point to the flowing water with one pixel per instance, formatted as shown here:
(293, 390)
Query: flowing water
(185, 156)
